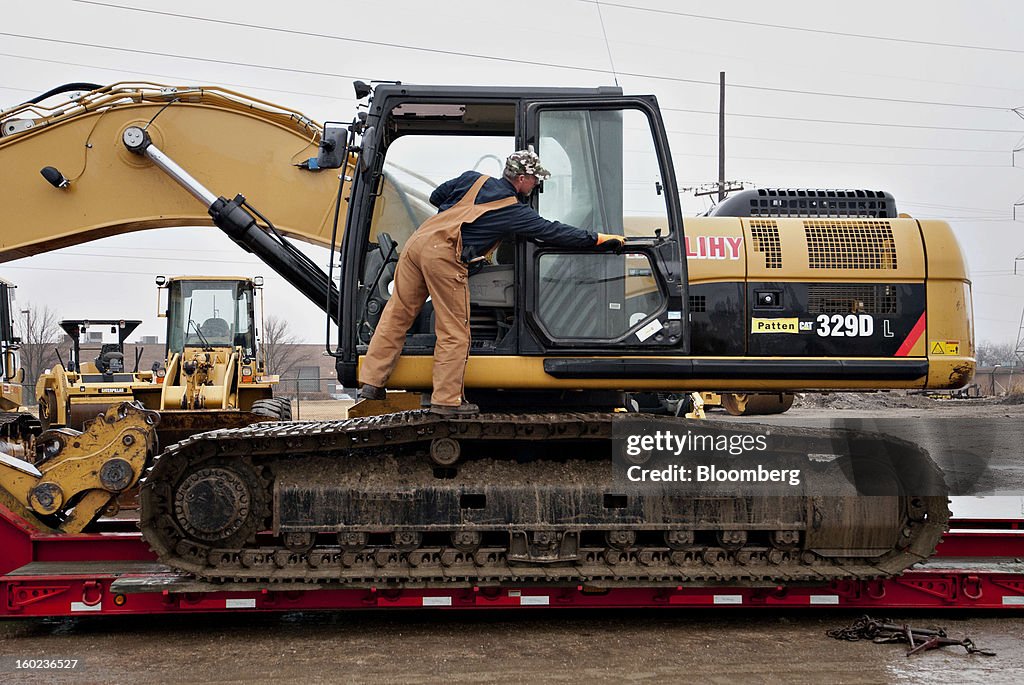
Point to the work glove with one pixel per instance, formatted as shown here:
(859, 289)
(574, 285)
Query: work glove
(610, 242)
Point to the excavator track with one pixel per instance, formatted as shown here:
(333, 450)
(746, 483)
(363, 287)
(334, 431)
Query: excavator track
(416, 500)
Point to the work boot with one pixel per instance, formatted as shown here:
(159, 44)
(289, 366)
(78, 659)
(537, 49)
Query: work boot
(372, 392)
(464, 409)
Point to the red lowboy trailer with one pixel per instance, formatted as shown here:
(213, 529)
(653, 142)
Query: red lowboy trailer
(978, 565)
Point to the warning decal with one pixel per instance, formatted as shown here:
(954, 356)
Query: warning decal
(945, 347)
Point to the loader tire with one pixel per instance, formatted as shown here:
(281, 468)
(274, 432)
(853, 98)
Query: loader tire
(275, 409)
(48, 409)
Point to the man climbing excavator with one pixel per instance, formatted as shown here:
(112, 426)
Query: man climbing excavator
(777, 291)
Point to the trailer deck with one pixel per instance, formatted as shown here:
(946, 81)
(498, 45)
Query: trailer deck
(979, 565)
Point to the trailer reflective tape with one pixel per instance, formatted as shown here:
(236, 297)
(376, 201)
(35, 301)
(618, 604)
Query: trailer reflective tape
(534, 600)
(437, 601)
(824, 599)
(1015, 600)
(82, 606)
(240, 603)
(728, 599)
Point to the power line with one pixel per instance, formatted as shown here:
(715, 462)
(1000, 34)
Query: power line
(457, 53)
(168, 54)
(150, 73)
(848, 123)
(134, 248)
(909, 41)
(607, 45)
(166, 259)
(336, 75)
(845, 161)
(761, 59)
(989, 318)
(842, 144)
(273, 276)
(937, 206)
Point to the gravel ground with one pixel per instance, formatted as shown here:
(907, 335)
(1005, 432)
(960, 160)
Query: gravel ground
(561, 646)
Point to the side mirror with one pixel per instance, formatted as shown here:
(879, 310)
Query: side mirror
(333, 149)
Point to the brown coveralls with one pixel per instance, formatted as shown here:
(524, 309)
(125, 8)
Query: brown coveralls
(431, 263)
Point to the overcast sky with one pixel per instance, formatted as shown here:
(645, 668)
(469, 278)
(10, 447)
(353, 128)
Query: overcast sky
(915, 98)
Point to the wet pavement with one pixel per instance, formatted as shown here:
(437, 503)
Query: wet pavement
(473, 647)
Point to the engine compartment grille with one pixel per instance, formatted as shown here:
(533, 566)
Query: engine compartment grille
(850, 245)
(764, 236)
(850, 298)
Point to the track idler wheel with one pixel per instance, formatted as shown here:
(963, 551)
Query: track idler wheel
(224, 503)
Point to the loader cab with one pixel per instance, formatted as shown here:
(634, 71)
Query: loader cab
(611, 173)
(210, 312)
(11, 372)
(97, 349)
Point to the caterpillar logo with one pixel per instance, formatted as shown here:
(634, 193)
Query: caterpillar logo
(775, 325)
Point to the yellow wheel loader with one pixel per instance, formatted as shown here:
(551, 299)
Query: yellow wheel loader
(18, 428)
(211, 377)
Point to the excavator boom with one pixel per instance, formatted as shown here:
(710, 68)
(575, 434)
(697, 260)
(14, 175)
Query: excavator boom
(110, 191)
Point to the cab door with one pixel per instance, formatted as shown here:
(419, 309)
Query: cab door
(611, 173)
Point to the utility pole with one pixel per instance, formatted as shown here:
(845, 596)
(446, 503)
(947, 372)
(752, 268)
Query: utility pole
(721, 188)
(721, 136)
(1019, 351)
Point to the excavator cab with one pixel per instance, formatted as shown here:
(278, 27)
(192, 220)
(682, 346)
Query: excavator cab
(610, 168)
(776, 291)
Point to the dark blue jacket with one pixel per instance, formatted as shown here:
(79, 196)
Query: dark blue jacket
(481, 235)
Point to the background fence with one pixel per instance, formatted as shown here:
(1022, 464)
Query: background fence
(316, 398)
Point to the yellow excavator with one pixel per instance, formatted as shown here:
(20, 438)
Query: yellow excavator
(213, 375)
(775, 291)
